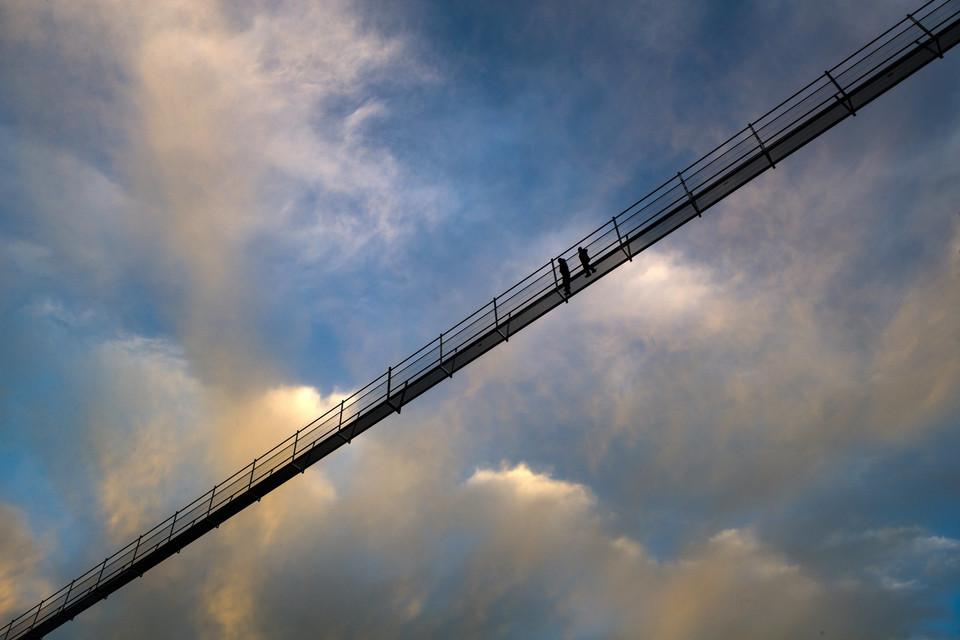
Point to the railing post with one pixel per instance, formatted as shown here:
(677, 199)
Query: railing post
(340, 425)
(452, 359)
(762, 147)
(293, 457)
(252, 468)
(403, 392)
(938, 50)
(210, 506)
(623, 247)
(693, 201)
(104, 566)
(9, 627)
(67, 599)
(135, 549)
(845, 99)
(496, 322)
(173, 524)
(39, 607)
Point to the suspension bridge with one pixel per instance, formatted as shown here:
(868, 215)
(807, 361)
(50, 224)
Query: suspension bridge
(840, 92)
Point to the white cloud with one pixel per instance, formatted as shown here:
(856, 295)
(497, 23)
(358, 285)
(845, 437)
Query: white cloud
(903, 557)
(530, 488)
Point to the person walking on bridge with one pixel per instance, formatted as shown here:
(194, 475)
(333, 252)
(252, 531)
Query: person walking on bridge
(585, 261)
(564, 275)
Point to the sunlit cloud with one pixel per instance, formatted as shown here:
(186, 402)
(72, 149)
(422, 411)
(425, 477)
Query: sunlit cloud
(162, 437)
(144, 428)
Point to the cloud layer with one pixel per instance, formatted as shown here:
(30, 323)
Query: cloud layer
(218, 219)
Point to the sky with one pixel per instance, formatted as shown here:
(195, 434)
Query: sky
(219, 218)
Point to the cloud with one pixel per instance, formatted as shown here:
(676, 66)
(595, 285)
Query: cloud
(509, 550)
(229, 131)
(914, 370)
(893, 558)
(145, 430)
(161, 438)
(758, 349)
(20, 586)
(207, 199)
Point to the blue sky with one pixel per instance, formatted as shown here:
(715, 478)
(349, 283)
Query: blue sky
(217, 219)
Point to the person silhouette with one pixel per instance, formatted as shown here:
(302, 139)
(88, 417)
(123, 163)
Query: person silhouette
(565, 274)
(585, 261)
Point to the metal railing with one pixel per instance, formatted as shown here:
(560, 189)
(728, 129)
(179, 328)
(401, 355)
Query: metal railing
(840, 92)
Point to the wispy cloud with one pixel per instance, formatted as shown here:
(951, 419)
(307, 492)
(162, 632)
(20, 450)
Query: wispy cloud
(19, 581)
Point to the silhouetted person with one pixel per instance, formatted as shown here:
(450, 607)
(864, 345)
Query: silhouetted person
(565, 275)
(585, 261)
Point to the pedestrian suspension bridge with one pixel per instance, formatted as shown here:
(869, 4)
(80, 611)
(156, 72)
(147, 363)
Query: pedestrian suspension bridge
(840, 92)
